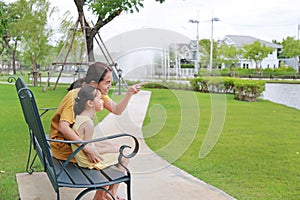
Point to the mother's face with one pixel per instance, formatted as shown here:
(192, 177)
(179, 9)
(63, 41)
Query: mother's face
(105, 84)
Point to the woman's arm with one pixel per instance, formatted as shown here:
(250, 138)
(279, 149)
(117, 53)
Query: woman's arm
(118, 108)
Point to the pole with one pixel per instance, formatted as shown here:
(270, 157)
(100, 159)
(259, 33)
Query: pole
(119, 80)
(298, 31)
(211, 46)
(197, 53)
(197, 45)
(212, 42)
(119, 85)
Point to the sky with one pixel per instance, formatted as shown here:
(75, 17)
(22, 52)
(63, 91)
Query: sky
(266, 20)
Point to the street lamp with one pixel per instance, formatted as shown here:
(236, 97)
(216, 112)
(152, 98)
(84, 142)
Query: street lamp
(214, 19)
(120, 75)
(197, 44)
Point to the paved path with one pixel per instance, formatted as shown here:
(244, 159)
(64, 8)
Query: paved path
(153, 177)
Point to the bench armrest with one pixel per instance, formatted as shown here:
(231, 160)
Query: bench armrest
(83, 143)
(45, 110)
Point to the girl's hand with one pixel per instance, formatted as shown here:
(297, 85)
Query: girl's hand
(92, 153)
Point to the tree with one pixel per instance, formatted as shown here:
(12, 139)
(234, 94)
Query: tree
(35, 33)
(3, 26)
(6, 20)
(256, 52)
(291, 48)
(228, 55)
(204, 50)
(106, 11)
(23, 27)
(15, 13)
(10, 31)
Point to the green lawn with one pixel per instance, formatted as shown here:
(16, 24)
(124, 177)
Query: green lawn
(257, 155)
(254, 158)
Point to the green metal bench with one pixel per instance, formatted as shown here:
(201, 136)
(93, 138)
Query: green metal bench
(64, 173)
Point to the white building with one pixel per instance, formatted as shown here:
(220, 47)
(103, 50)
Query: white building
(239, 41)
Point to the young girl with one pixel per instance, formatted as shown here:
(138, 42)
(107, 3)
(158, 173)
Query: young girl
(87, 103)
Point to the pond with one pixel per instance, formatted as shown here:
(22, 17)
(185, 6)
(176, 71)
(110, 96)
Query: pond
(286, 94)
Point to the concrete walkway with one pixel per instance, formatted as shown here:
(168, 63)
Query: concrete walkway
(153, 177)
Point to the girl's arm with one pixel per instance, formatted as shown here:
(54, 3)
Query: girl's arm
(107, 147)
(86, 131)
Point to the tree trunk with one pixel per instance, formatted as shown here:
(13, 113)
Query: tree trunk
(14, 57)
(256, 66)
(90, 45)
(90, 32)
(34, 73)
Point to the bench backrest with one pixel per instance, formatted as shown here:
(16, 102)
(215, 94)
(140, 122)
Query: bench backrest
(20, 84)
(36, 130)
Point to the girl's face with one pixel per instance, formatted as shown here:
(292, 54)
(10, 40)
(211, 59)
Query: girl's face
(98, 102)
(105, 84)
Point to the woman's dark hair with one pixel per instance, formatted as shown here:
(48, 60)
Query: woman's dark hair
(76, 84)
(85, 93)
(96, 72)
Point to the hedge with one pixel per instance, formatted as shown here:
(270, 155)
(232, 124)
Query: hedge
(245, 90)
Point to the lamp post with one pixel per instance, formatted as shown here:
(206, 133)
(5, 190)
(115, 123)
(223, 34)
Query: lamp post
(214, 19)
(119, 80)
(197, 44)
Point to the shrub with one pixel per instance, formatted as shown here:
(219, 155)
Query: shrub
(168, 85)
(245, 90)
(187, 66)
(248, 90)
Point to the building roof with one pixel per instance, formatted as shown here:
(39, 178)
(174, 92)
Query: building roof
(241, 40)
(192, 45)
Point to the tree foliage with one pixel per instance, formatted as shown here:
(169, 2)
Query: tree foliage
(24, 29)
(228, 55)
(10, 32)
(35, 35)
(204, 51)
(3, 26)
(291, 47)
(256, 52)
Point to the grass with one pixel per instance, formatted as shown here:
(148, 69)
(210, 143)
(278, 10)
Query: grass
(254, 158)
(14, 136)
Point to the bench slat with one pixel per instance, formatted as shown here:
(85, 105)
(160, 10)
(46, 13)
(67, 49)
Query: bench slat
(75, 174)
(63, 177)
(95, 176)
(113, 173)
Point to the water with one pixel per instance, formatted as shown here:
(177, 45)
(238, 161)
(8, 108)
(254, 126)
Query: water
(286, 94)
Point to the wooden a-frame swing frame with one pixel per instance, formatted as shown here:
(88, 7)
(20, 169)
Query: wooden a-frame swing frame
(101, 45)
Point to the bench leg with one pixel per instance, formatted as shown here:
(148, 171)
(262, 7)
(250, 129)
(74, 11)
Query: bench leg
(128, 184)
(29, 168)
(57, 196)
